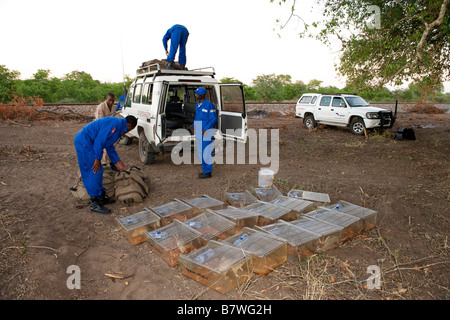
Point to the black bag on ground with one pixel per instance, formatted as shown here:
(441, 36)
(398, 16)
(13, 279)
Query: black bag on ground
(405, 134)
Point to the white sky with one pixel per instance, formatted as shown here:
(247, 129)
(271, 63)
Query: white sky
(236, 37)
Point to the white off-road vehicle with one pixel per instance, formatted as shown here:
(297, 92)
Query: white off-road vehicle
(163, 101)
(343, 110)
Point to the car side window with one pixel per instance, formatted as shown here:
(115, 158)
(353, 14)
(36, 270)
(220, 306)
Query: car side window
(325, 101)
(147, 93)
(313, 100)
(338, 102)
(305, 99)
(137, 93)
(129, 95)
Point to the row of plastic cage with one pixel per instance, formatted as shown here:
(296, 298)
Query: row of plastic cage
(221, 243)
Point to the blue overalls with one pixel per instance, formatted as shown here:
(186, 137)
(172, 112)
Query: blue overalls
(89, 144)
(205, 118)
(178, 36)
(121, 102)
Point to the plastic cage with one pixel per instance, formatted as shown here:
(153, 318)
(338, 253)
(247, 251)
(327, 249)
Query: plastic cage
(330, 234)
(320, 198)
(352, 226)
(134, 226)
(300, 242)
(204, 202)
(175, 209)
(266, 194)
(298, 206)
(240, 199)
(212, 226)
(217, 265)
(368, 216)
(269, 213)
(241, 217)
(268, 251)
(174, 239)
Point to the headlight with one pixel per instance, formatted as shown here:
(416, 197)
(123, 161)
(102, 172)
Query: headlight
(372, 115)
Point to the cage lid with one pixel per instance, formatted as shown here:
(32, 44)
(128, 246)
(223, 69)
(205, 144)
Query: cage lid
(138, 219)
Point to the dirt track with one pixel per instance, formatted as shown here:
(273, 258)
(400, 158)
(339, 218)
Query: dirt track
(42, 233)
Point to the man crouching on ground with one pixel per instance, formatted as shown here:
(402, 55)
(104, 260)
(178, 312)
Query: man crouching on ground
(89, 144)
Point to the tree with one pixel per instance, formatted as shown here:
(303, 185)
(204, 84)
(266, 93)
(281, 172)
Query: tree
(7, 82)
(386, 42)
(270, 87)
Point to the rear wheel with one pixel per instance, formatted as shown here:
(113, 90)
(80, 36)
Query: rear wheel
(309, 122)
(146, 152)
(357, 126)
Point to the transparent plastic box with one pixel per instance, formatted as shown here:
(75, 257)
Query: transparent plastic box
(320, 198)
(174, 239)
(266, 194)
(134, 226)
(240, 199)
(217, 265)
(268, 251)
(352, 226)
(330, 234)
(368, 216)
(269, 213)
(212, 226)
(175, 209)
(298, 206)
(301, 243)
(241, 217)
(204, 202)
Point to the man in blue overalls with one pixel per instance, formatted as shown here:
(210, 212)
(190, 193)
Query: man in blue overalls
(204, 122)
(89, 144)
(178, 36)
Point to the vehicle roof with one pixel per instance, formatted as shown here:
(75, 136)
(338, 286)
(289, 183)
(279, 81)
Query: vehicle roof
(178, 79)
(330, 94)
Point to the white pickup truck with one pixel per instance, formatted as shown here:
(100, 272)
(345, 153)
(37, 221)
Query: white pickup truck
(342, 110)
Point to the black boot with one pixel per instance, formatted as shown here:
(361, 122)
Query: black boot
(169, 65)
(183, 67)
(204, 175)
(97, 207)
(104, 199)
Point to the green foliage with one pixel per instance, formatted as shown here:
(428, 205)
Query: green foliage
(80, 87)
(73, 87)
(7, 81)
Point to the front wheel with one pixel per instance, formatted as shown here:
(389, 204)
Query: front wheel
(309, 122)
(125, 140)
(357, 126)
(146, 152)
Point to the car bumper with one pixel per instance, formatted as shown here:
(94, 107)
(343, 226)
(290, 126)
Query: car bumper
(376, 123)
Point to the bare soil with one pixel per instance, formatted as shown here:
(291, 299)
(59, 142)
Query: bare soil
(42, 232)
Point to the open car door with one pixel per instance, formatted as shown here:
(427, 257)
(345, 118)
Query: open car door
(233, 115)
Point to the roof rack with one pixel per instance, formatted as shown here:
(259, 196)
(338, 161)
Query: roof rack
(338, 94)
(157, 71)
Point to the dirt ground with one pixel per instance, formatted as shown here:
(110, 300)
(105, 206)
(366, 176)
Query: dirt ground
(42, 232)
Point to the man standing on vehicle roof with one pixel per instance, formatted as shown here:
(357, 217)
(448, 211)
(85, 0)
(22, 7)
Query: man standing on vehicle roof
(89, 144)
(204, 122)
(178, 36)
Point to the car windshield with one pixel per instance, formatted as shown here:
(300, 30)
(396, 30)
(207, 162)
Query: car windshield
(356, 102)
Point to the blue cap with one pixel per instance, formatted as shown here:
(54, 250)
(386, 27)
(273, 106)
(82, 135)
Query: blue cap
(200, 91)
